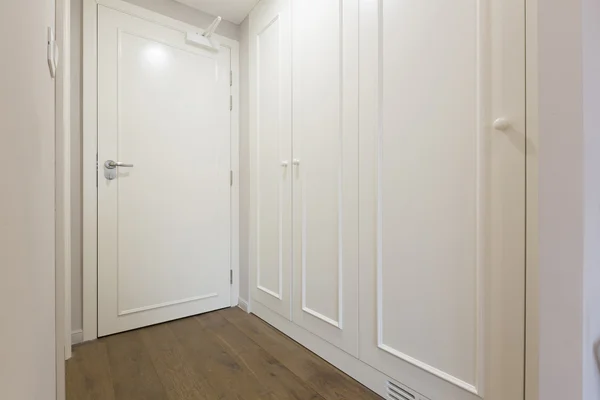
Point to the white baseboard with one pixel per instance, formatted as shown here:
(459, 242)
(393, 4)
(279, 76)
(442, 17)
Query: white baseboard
(364, 373)
(243, 304)
(76, 337)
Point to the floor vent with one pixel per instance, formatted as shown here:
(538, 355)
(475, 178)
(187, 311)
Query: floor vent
(396, 391)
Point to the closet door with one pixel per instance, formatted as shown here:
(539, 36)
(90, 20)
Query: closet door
(442, 197)
(270, 156)
(325, 181)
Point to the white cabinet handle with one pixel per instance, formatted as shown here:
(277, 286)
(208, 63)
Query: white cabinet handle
(501, 124)
(296, 162)
(284, 163)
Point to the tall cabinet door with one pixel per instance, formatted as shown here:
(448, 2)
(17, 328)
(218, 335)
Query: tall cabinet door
(325, 171)
(271, 156)
(442, 197)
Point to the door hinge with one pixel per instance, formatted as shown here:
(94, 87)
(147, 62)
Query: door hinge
(231, 277)
(230, 103)
(230, 178)
(230, 78)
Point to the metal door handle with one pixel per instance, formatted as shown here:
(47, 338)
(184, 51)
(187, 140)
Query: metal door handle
(110, 164)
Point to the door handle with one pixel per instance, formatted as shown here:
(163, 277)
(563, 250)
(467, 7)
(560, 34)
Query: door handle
(501, 124)
(110, 164)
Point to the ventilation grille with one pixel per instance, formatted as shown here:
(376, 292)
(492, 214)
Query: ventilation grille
(396, 391)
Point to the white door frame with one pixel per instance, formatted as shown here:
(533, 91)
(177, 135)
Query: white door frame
(531, 207)
(90, 149)
(62, 194)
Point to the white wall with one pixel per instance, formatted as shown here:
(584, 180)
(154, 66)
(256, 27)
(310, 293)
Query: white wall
(561, 199)
(76, 197)
(569, 61)
(169, 8)
(591, 128)
(27, 203)
(244, 159)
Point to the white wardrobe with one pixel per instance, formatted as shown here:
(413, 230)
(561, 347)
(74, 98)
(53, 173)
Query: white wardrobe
(387, 210)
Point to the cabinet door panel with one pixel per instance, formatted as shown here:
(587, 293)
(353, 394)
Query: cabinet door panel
(270, 150)
(325, 177)
(443, 195)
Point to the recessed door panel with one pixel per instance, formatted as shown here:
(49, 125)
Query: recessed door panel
(270, 124)
(442, 196)
(325, 183)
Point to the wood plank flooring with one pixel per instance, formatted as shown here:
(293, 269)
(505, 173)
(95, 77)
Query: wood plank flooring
(225, 354)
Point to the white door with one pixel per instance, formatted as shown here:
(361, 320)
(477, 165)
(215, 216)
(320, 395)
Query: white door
(271, 155)
(28, 366)
(325, 183)
(442, 209)
(163, 221)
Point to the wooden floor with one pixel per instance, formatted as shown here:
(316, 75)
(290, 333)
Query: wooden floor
(226, 354)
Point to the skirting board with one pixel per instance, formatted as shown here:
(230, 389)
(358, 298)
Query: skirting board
(243, 304)
(76, 337)
(365, 374)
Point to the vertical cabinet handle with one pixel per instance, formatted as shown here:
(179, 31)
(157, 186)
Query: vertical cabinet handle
(296, 162)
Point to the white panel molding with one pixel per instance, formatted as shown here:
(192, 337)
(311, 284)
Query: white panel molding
(432, 370)
(322, 317)
(278, 295)
(166, 304)
(339, 322)
(269, 292)
(481, 235)
(120, 34)
(482, 150)
(76, 337)
(270, 139)
(305, 308)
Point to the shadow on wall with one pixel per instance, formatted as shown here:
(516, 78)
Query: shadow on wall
(597, 352)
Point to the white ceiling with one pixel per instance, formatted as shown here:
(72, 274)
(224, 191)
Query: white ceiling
(231, 10)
